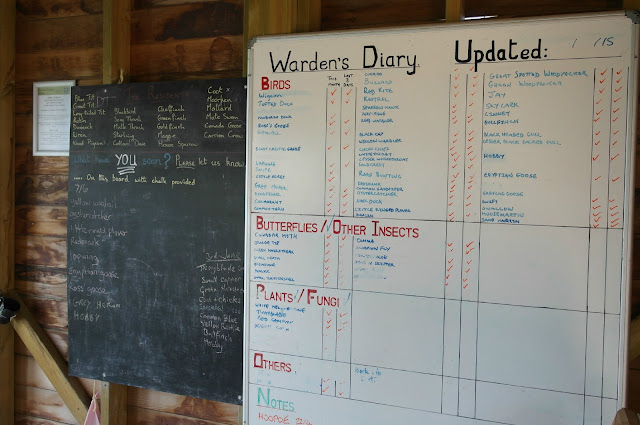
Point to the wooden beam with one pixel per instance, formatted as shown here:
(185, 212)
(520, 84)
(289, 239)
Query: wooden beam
(116, 68)
(7, 199)
(454, 10)
(113, 403)
(116, 39)
(51, 362)
(279, 17)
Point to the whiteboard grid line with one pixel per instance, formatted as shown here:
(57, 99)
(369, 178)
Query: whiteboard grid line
(482, 223)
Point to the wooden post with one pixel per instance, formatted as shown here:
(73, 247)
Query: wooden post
(51, 362)
(116, 68)
(113, 403)
(7, 199)
(454, 10)
(631, 4)
(279, 17)
(309, 17)
(116, 41)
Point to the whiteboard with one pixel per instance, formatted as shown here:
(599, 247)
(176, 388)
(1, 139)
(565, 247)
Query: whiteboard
(439, 223)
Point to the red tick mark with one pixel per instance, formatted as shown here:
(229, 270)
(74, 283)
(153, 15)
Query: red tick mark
(617, 99)
(349, 92)
(614, 157)
(616, 179)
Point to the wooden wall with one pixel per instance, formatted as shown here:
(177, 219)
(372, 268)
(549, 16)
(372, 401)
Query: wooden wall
(170, 40)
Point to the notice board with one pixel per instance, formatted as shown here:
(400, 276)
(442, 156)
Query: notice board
(439, 223)
(155, 236)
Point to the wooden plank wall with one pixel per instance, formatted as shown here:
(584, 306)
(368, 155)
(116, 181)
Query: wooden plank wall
(170, 40)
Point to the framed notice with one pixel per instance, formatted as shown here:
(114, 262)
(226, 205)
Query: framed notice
(52, 117)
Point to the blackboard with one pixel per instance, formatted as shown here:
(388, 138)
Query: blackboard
(155, 236)
(440, 223)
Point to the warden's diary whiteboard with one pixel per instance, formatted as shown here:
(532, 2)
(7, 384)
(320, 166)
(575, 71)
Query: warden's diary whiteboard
(439, 222)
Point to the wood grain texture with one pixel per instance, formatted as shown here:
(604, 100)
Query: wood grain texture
(454, 11)
(39, 9)
(149, 4)
(51, 362)
(7, 199)
(32, 420)
(57, 336)
(24, 129)
(28, 373)
(185, 406)
(41, 251)
(234, 73)
(42, 403)
(41, 220)
(509, 8)
(186, 21)
(48, 312)
(113, 404)
(344, 14)
(633, 389)
(26, 163)
(138, 416)
(634, 339)
(195, 56)
(68, 64)
(116, 27)
(41, 190)
(78, 32)
(309, 16)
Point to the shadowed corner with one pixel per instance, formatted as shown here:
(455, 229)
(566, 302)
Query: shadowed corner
(8, 309)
